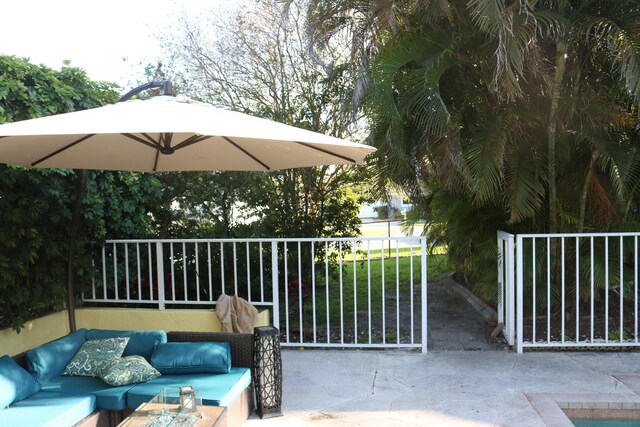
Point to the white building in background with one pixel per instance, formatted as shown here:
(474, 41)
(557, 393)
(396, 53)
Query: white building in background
(396, 201)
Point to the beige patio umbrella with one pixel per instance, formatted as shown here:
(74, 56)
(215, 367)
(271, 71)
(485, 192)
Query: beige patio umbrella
(164, 133)
(167, 133)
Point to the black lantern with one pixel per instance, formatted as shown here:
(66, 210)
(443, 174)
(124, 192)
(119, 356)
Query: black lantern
(267, 371)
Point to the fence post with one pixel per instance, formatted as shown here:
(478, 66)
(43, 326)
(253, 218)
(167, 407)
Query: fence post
(275, 284)
(510, 289)
(423, 274)
(519, 291)
(160, 273)
(501, 284)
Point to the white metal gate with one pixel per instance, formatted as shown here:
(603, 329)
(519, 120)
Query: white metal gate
(573, 290)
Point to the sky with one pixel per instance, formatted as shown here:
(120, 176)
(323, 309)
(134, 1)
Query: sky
(107, 39)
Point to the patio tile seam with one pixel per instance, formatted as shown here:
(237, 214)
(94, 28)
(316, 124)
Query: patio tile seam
(631, 381)
(373, 384)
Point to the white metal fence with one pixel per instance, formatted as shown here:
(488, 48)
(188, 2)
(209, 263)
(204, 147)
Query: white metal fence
(576, 290)
(337, 292)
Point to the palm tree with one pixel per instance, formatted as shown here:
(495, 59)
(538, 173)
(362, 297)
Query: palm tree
(574, 38)
(525, 110)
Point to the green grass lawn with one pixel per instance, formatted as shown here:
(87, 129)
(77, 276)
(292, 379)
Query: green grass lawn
(437, 266)
(349, 300)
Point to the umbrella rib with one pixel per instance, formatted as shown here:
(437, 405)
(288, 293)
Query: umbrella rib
(322, 150)
(153, 145)
(246, 152)
(60, 150)
(191, 140)
(151, 140)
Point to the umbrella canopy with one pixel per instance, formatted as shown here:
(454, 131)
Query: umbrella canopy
(168, 133)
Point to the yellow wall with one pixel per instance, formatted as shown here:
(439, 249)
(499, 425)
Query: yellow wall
(149, 319)
(45, 329)
(35, 332)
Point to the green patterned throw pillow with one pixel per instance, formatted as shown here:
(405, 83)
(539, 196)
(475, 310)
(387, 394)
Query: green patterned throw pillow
(128, 370)
(95, 355)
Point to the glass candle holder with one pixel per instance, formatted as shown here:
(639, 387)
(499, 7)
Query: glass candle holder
(187, 399)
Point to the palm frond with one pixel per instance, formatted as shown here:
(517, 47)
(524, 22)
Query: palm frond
(487, 14)
(524, 186)
(621, 45)
(405, 94)
(423, 101)
(514, 31)
(624, 169)
(431, 11)
(551, 23)
(484, 154)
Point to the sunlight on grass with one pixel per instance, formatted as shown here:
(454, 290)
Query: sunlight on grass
(363, 254)
(437, 266)
(376, 285)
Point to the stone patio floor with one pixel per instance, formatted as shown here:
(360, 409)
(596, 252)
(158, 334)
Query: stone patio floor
(449, 388)
(486, 385)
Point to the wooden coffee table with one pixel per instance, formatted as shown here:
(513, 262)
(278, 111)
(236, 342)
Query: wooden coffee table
(150, 413)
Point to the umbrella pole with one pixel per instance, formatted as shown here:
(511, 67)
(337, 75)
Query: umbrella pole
(81, 185)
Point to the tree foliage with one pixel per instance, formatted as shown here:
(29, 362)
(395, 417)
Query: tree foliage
(256, 61)
(518, 115)
(35, 205)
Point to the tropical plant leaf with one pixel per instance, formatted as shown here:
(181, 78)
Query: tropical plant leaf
(524, 184)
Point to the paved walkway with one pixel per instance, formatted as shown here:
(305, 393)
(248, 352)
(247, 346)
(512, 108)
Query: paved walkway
(457, 320)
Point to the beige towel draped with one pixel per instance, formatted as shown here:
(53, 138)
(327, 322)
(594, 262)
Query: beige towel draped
(236, 314)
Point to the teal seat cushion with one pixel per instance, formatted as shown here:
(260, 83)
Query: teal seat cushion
(192, 358)
(15, 383)
(107, 397)
(141, 343)
(214, 389)
(50, 359)
(48, 409)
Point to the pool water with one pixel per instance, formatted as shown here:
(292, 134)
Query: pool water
(605, 423)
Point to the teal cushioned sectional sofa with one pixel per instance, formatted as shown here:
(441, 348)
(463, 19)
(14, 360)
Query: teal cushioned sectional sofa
(66, 400)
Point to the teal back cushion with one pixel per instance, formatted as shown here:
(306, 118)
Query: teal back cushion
(49, 360)
(15, 383)
(141, 343)
(192, 358)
